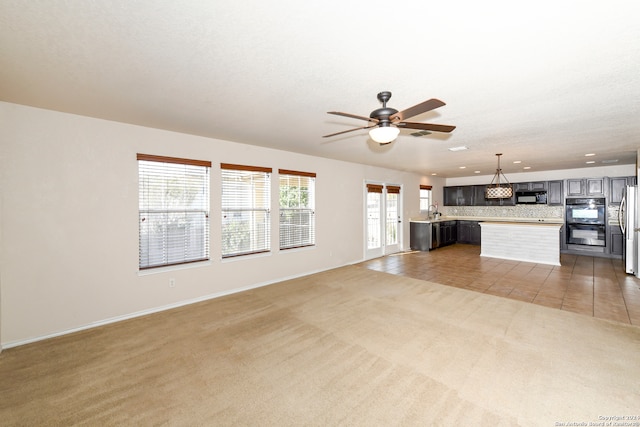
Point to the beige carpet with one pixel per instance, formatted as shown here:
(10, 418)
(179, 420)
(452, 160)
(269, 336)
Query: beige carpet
(348, 347)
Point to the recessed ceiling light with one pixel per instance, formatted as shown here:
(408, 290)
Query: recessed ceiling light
(517, 161)
(434, 174)
(590, 162)
(476, 171)
(463, 167)
(527, 167)
(590, 154)
(460, 148)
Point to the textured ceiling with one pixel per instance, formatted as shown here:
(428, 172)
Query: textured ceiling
(541, 82)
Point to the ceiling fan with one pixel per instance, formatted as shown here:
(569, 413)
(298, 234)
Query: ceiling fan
(385, 123)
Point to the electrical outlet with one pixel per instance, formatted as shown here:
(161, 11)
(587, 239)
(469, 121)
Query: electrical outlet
(172, 283)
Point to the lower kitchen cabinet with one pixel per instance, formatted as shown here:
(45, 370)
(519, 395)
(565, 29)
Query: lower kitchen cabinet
(469, 232)
(615, 240)
(420, 236)
(448, 233)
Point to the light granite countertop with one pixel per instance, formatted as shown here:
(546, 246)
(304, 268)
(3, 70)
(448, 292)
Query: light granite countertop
(490, 219)
(521, 224)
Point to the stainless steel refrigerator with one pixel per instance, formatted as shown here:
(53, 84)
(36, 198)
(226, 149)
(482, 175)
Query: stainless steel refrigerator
(628, 218)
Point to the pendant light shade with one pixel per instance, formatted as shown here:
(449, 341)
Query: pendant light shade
(498, 190)
(384, 134)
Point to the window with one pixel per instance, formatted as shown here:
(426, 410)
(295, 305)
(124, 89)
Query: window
(425, 198)
(297, 209)
(246, 192)
(173, 210)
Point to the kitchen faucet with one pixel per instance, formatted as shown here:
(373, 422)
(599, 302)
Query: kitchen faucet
(435, 212)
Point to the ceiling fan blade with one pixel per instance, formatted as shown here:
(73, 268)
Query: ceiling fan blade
(423, 107)
(353, 116)
(349, 130)
(425, 126)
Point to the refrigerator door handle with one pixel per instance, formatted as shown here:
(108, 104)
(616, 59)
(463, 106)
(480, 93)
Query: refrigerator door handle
(621, 214)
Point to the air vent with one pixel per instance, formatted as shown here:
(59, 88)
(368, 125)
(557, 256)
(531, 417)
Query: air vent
(610, 161)
(421, 133)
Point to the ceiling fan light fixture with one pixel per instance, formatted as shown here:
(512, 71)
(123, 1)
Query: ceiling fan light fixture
(384, 134)
(496, 190)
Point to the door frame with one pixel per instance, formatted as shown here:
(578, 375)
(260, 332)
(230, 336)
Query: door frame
(384, 248)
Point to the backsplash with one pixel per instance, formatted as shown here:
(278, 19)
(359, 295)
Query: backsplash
(517, 211)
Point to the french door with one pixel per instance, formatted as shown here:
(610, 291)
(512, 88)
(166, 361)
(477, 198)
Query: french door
(383, 220)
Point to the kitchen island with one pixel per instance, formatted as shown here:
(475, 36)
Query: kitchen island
(521, 241)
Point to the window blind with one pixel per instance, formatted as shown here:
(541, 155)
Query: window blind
(173, 210)
(246, 221)
(374, 188)
(392, 189)
(297, 209)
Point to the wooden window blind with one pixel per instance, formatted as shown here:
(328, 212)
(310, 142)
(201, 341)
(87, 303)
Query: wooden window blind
(297, 209)
(374, 188)
(392, 189)
(246, 221)
(173, 210)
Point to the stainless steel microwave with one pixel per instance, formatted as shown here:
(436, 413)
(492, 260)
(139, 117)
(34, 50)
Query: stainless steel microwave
(531, 197)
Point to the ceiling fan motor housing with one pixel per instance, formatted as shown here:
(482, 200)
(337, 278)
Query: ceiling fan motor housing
(383, 114)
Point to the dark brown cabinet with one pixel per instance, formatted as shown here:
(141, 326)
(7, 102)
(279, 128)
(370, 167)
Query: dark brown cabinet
(555, 194)
(448, 233)
(586, 187)
(469, 232)
(420, 236)
(557, 191)
(615, 240)
(479, 198)
(617, 186)
(458, 196)
(530, 186)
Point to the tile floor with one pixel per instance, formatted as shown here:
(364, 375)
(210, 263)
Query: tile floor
(594, 286)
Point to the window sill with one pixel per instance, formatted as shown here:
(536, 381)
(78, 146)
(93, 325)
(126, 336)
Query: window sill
(176, 267)
(246, 256)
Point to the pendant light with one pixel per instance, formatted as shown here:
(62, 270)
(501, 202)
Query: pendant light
(496, 190)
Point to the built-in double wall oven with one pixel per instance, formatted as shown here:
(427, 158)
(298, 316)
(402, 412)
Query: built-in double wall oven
(585, 221)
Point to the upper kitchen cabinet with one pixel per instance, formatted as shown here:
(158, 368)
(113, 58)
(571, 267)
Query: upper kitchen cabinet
(577, 187)
(458, 195)
(555, 195)
(530, 186)
(479, 197)
(617, 186)
(479, 192)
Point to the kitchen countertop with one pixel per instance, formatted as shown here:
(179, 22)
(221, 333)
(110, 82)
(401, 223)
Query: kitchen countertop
(558, 221)
(521, 224)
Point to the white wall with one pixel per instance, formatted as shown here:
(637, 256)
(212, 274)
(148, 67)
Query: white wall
(69, 222)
